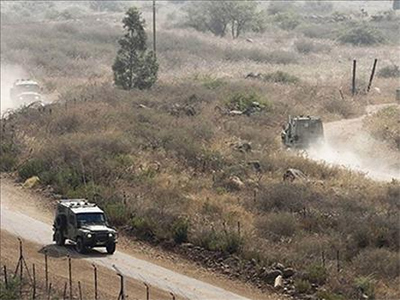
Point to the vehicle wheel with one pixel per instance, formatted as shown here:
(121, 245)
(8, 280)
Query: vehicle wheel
(111, 248)
(80, 247)
(59, 237)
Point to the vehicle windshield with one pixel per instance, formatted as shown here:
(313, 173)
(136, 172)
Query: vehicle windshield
(91, 218)
(28, 88)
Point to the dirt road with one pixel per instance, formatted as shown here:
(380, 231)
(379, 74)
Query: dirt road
(20, 218)
(349, 145)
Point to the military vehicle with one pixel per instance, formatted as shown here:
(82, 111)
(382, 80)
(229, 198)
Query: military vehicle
(25, 91)
(84, 224)
(301, 132)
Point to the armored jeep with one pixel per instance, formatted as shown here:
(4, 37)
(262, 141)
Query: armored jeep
(302, 132)
(84, 224)
(25, 91)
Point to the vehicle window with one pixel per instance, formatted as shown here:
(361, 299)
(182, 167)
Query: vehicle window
(91, 218)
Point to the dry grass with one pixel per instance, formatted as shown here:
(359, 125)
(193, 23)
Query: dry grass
(167, 174)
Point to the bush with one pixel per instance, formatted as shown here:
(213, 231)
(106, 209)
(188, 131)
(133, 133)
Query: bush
(287, 21)
(243, 102)
(315, 31)
(180, 230)
(366, 286)
(7, 162)
(325, 295)
(302, 286)
(278, 225)
(281, 77)
(307, 47)
(389, 72)
(143, 227)
(13, 290)
(227, 242)
(117, 214)
(31, 168)
(362, 36)
(317, 274)
(382, 263)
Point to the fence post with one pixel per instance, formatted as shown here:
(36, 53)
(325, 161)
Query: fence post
(80, 290)
(95, 281)
(70, 277)
(147, 291)
(338, 260)
(5, 276)
(172, 295)
(34, 281)
(372, 75)
(121, 295)
(65, 292)
(238, 227)
(46, 270)
(323, 258)
(354, 77)
(49, 291)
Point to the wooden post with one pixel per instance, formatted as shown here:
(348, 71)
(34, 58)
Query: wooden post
(49, 292)
(338, 260)
(154, 29)
(147, 291)
(80, 290)
(354, 77)
(65, 292)
(70, 277)
(95, 281)
(5, 276)
(372, 75)
(46, 270)
(34, 282)
(323, 258)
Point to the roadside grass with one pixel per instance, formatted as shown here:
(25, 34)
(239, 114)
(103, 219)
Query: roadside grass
(164, 163)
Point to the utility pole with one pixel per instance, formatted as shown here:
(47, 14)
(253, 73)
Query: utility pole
(154, 29)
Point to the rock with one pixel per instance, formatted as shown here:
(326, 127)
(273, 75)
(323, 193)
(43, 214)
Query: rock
(31, 182)
(235, 183)
(279, 266)
(187, 245)
(278, 284)
(269, 276)
(249, 40)
(288, 272)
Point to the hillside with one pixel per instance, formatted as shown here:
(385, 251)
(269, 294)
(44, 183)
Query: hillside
(173, 165)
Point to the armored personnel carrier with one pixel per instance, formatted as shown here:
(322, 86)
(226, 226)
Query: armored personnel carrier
(302, 132)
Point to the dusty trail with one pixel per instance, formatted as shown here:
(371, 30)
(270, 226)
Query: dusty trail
(17, 212)
(349, 145)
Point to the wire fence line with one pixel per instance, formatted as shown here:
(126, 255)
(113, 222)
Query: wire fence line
(30, 288)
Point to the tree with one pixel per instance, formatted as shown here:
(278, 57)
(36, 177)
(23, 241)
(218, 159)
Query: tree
(219, 16)
(134, 66)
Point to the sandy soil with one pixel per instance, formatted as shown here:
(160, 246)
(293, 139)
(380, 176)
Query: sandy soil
(138, 261)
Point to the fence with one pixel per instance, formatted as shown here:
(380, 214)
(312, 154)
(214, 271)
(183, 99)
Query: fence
(27, 277)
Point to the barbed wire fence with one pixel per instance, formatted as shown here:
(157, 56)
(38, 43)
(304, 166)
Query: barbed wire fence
(29, 287)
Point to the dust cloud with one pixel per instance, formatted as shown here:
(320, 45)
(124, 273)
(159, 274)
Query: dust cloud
(9, 73)
(348, 145)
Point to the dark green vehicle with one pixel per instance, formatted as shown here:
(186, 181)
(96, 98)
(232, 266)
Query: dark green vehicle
(84, 224)
(302, 132)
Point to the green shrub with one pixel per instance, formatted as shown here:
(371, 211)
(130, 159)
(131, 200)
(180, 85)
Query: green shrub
(31, 168)
(13, 290)
(316, 273)
(278, 225)
(117, 214)
(366, 286)
(287, 21)
(302, 286)
(281, 77)
(315, 31)
(389, 72)
(227, 242)
(143, 227)
(7, 162)
(382, 263)
(325, 295)
(362, 36)
(243, 102)
(180, 230)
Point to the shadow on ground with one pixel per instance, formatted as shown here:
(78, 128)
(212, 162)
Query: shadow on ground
(69, 250)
